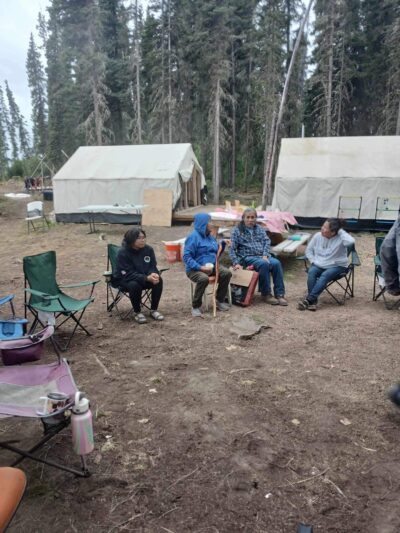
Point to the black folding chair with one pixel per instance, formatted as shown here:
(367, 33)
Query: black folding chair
(344, 283)
(379, 288)
(115, 294)
(379, 283)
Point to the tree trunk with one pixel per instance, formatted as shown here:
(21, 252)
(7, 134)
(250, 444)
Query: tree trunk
(233, 165)
(283, 101)
(137, 66)
(330, 75)
(97, 115)
(339, 115)
(246, 153)
(169, 76)
(216, 161)
(162, 75)
(398, 120)
(267, 188)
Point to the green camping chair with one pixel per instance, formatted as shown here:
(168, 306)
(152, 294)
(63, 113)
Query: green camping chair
(43, 295)
(116, 294)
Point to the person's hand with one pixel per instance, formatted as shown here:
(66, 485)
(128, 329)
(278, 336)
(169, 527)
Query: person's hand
(206, 269)
(237, 267)
(153, 278)
(228, 242)
(266, 258)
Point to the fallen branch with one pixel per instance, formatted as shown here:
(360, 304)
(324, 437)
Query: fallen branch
(124, 522)
(290, 484)
(166, 512)
(182, 478)
(364, 447)
(327, 480)
(122, 502)
(106, 372)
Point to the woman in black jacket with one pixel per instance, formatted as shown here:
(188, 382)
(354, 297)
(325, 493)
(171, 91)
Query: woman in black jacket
(136, 270)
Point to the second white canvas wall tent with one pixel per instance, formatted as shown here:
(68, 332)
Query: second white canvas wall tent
(110, 175)
(356, 178)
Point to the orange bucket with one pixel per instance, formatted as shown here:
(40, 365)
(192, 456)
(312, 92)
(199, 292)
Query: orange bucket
(173, 252)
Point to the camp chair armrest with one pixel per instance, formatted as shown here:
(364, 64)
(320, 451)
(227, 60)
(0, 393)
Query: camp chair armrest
(6, 299)
(355, 259)
(76, 285)
(43, 295)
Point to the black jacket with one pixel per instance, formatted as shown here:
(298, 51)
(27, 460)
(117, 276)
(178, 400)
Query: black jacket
(134, 265)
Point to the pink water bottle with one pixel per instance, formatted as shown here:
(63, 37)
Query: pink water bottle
(82, 426)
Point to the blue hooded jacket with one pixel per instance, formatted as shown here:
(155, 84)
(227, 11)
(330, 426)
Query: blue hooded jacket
(200, 247)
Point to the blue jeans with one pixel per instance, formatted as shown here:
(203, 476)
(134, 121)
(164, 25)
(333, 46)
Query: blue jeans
(318, 278)
(265, 268)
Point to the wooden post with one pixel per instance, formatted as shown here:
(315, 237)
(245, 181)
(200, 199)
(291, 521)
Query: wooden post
(268, 178)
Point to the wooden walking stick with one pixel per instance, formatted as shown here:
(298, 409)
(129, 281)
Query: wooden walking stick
(216, 282)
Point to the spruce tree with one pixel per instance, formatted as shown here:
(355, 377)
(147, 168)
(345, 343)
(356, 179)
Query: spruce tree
(114, 45)
(3, 137)
(17, 128)
(37, 84)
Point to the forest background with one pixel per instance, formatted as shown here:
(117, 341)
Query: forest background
(208, 72)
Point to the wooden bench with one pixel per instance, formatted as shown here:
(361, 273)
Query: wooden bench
(290, 246)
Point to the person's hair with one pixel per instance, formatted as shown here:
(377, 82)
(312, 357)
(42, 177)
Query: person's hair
(132, 235)
(246, 212)
(335, 224)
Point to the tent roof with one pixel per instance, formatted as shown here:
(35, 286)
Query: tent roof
(145, 161)
(340, 157)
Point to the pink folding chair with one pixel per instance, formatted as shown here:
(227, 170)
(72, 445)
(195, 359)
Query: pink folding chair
(44, 391)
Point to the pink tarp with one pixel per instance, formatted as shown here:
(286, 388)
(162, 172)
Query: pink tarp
(274, 221)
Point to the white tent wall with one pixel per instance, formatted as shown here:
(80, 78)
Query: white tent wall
(313, 173)
(108, 175)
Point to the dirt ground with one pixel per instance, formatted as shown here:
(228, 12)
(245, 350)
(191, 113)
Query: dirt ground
(198, 431)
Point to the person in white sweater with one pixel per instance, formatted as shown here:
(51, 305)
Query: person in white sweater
(327, 253)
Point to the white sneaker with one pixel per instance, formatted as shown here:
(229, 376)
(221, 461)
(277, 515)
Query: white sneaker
(222, 306)
(196, 311)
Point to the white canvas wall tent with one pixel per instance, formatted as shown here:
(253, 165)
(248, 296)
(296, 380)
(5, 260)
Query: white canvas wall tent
(356, 178)
(118, 175)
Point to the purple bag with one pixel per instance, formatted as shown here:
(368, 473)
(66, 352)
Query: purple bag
(25, 349)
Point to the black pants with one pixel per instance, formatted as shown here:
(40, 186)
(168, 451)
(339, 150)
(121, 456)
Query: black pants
(135, 290)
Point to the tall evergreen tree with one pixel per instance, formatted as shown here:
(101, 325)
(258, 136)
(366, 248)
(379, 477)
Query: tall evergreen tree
(114, 44)
(17, 128)
(37, 84)
(3, 136)
(391, 115)
(12, 118)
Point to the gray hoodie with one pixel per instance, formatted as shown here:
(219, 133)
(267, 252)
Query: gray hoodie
(328, 253)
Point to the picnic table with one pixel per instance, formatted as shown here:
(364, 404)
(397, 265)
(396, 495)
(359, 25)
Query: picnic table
(290, 245)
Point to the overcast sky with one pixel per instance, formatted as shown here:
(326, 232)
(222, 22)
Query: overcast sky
(18, 20)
